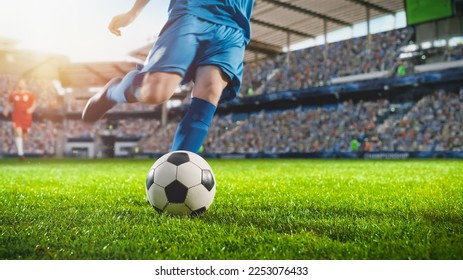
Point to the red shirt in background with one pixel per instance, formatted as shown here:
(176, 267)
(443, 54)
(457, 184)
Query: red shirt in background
(22, 101)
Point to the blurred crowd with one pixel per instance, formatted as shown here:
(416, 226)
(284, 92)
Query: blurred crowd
(47, 97)
(435, 123)
(454, 53)
(45, 92)
(42, 139)
(43, 134)
(328, 128)
(122, 128)
(160, 141)
(316, 66)
(432, 124)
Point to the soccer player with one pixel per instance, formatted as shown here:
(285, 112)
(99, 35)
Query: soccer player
(202, 41)
(24, 105)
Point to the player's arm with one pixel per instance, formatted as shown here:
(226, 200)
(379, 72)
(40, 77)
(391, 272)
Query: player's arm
(125, 19)
(31, 109)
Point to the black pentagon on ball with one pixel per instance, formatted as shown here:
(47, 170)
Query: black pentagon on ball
(178, 158)
(176, 192)
(207, 179)
(150, 179)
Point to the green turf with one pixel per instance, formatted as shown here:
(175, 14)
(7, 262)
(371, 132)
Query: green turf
(264, 209)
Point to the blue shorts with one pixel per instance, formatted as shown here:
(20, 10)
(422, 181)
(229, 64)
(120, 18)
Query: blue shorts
(187, 42)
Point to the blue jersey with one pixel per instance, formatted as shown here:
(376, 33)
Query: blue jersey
(233, 13)
(216, 33)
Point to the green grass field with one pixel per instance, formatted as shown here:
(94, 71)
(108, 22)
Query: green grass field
(264, 209)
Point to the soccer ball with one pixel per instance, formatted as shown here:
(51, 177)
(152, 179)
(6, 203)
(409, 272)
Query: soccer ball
(180, 183)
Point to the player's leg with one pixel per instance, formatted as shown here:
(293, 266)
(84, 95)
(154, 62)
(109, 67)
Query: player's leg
(18, 132)
(99, 104)
(158, 87)
(166, 64)
(217, 79)
(192, 130)
(210, 81)
(125, 90)
(148, 88)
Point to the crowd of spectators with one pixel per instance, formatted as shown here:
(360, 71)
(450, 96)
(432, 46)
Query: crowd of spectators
(329, 128)
(134, 128)
(160, 141)
(79, 129)
(435, 123)
(45, 92)
(317, 65)
(455, 53)
(41, 140)
(43, 133)
(432, 124)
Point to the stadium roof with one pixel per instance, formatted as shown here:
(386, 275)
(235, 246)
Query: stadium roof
(275, 24)
(279, 23)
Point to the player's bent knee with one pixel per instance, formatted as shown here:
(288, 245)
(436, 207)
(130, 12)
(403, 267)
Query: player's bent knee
(153, 95)
(158, 87)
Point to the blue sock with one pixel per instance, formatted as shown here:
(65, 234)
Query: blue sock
(192, 130)
(127, 90)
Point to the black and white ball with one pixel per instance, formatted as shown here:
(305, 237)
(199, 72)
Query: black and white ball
(180, 183)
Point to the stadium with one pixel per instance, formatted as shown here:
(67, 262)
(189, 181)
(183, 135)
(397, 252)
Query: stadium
(342, 148)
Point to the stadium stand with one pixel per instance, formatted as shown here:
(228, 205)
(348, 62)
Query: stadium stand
(434, 123)
(311, 103)
(317, 66)
(42, 139)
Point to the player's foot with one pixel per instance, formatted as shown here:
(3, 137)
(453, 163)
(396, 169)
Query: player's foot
(99, 104)
(22, 158)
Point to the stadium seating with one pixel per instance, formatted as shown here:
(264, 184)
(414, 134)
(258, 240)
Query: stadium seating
(42, 139)
(431, 123)
(316, 66)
